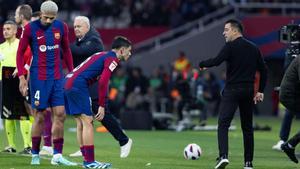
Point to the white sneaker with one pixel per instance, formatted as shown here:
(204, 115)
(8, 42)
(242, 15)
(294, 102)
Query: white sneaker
(125, 149)
(278, 145)
(58, 159)
(46, 150)
(76, 154)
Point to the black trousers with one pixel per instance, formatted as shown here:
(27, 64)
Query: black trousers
(232, 98)
(111, 123)
(295, 140)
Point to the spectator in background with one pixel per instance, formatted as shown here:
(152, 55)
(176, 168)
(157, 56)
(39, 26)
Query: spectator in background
(182, 65)
(88, 42)
(211, 95)
(117, 91)
(136, 89)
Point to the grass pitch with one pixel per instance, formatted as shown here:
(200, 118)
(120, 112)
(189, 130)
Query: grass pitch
(164, 149)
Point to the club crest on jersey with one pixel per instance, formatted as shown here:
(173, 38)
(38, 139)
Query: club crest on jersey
(57, 35)
(36, 103)
(113, 65)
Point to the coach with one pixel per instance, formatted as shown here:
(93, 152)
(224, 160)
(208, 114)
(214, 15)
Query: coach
(243, 59)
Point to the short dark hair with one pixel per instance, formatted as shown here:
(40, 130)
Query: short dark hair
(236, 24)
(36, 14)
(120, 41)
(26, 11)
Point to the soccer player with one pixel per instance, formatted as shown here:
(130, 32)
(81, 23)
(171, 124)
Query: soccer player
(78, 103)
(48, 39)
(13, 107)
(23, 15)
(243, 59)
(87, 43)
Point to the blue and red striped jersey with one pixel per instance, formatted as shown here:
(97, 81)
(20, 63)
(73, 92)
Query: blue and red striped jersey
(97, 67)
(49, 45)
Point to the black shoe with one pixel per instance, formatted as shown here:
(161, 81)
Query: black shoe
(222, 162)
(26, 150)
(248, 165)
(290, 152)
(9, 150)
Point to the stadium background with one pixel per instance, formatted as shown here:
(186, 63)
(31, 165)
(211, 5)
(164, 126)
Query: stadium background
(161, 29)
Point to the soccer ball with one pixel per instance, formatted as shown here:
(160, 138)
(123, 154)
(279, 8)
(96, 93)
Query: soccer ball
(192, 152)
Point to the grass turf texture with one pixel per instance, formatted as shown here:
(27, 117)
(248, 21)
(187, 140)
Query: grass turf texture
(164, 149)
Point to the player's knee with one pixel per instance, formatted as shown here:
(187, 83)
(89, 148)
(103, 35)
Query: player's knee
(60, 116)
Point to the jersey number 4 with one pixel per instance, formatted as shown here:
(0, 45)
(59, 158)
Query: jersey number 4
(37, 95)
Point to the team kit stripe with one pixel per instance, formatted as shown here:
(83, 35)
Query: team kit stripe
(57, 39)
(41, 54)
(82, 67)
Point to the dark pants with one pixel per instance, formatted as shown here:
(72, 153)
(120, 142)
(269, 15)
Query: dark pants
(232, 98)
(111, 124)
(286, 126)
(295, 140)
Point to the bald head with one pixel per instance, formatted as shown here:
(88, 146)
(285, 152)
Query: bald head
(49, 7)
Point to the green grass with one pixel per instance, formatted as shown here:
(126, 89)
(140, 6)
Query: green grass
(164, 149)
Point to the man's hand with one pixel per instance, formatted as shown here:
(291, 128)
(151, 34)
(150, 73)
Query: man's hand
(100, 115)
(23, 86)
(259, 97)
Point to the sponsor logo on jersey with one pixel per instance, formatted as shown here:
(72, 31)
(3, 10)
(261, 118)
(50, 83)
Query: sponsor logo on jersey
(43, 48)
(57, 35)
(113, 65)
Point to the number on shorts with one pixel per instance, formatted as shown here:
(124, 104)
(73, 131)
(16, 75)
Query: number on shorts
(37, 95)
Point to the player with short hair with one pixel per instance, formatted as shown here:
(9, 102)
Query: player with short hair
(78, 103)
(87, 43)
(23, 15)
(48, 39)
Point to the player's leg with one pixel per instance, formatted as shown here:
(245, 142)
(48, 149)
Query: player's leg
(39, 95)
(87, 138)
(10, 129)
(47, 148)
(57, 105)
(36, 133)
(88, 143)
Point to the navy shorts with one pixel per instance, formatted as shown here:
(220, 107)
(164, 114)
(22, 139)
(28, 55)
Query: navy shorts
(78, 101)
(46, 93)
